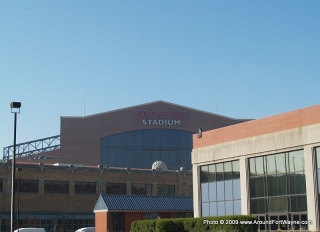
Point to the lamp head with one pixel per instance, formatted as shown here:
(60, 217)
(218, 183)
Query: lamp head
(15, 107)
(15, 104)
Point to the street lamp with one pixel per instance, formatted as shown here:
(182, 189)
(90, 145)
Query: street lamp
(15, 108)
(18, 205)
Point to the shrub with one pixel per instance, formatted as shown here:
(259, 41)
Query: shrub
(144, 225)
(222, 223)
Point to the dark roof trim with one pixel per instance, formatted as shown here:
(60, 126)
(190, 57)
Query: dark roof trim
(146, 104)
(138, 203)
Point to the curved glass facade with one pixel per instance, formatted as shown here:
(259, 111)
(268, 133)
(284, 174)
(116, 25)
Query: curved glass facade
(141, 148)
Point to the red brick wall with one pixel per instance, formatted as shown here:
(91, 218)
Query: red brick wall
(130, 217)
(286, 121)
(81, 136)
(167, 215)
(101, 222)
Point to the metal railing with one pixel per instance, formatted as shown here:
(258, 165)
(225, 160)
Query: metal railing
(32, 147)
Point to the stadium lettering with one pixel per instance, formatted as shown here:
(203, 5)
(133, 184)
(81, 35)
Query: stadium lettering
(156, 114)
(154, 122)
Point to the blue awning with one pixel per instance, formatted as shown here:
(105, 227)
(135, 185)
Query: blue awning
(139, 203)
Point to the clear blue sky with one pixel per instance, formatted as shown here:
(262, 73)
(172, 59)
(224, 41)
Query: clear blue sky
(242, 59)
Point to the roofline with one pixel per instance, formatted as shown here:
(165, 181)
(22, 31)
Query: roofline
(272, 124)
(145, 211)
(159, 101)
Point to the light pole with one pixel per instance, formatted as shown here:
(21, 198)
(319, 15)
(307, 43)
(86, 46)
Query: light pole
(15, 108)
(18, 205)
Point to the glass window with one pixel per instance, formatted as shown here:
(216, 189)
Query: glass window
(260, 165)
(229, 207)
(252, 167)
(130, 158)
(318, 156)
(299, 203)
(221, 194)
(129, 140)
(280, 163)
(219, 172)
(121, 140)
(221, 208)
(116, 188)
(236, 189)
(147, 138)
(138, 138)
(1, 185)
(277, 185)
(278, 204)
(121, 158)
(204, 174)
(257, 187)
(282, 189)
(212, 191)
(213, 209)
(228, 171)
(257, 206)
(228, 190)
(27, 186)
(116, 148)
(237, 207)
(168, 190)
(141, 189)
(236, 169)
(85, 187)
(56, 187)
(296, 161)
(205, 209)
(212, 173)
(220, 191)
(271, 165)
(297, 183)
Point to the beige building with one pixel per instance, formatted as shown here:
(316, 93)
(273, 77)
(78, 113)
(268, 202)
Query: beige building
(267, 167)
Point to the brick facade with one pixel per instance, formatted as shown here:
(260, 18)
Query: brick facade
(81, 136)
(285, 121)
(72, 202)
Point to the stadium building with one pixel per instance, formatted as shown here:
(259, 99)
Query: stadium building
(139, 150)
(267, 167)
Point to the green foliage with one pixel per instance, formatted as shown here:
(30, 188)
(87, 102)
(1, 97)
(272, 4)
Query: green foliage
(144, 225)
(169, 225)
(222, 223)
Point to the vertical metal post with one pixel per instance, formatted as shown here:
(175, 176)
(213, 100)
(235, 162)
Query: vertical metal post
(13, 173)
(18, 202)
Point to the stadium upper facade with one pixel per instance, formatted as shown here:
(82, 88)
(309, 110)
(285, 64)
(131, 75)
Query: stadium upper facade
(133, 137)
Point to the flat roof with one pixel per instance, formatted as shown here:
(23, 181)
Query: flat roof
(286, 121)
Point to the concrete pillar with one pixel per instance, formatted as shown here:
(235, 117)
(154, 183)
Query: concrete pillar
(244, 186)
(311, 186)
(196, 191)
(155, 188)
(128, 190)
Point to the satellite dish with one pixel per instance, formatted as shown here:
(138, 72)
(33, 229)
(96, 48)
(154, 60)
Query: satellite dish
(159, 166)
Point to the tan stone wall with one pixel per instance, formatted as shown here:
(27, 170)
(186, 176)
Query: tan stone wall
(49, 202)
